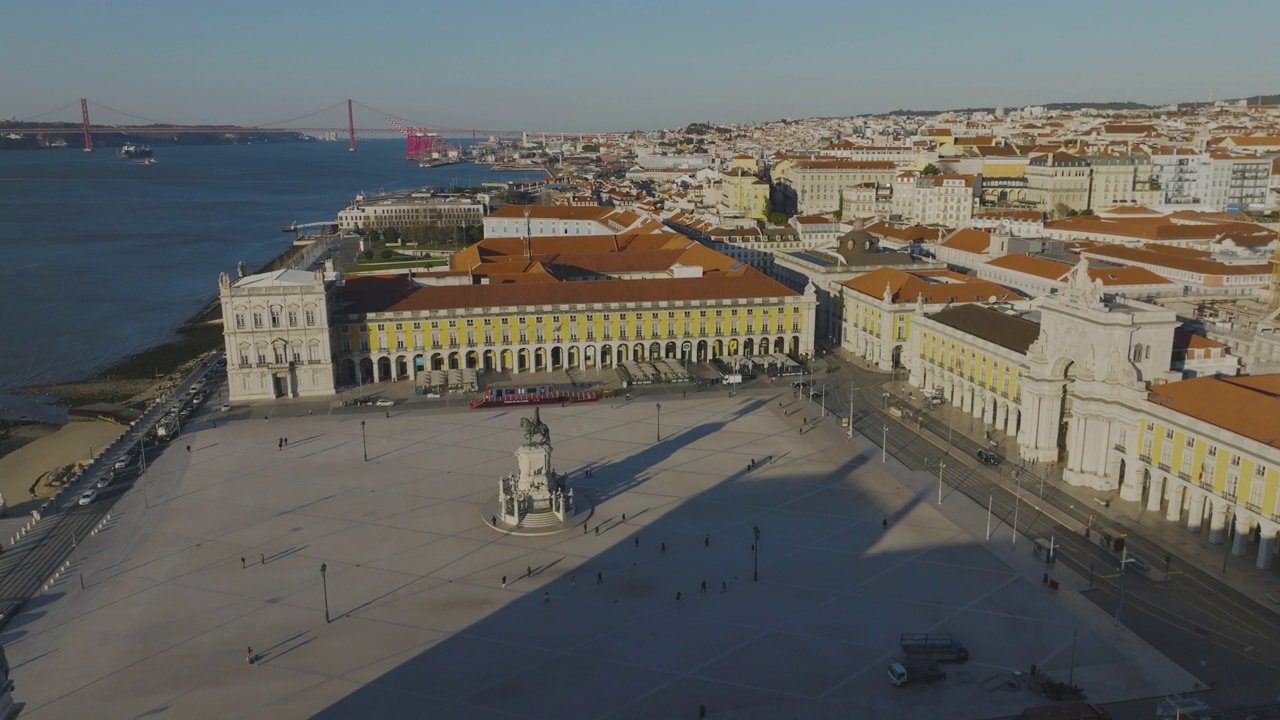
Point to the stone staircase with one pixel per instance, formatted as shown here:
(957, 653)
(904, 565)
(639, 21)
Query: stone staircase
(542, 519)
(575, 376)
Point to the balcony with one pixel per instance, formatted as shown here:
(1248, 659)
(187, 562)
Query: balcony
(1184, 476)
(1163, 466)
(1117, 446)
(1252, 506)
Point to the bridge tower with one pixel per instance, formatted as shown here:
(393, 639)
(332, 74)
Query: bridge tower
(351, 128)
(84, 117)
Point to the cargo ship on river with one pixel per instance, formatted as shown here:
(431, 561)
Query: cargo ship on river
(129, 150)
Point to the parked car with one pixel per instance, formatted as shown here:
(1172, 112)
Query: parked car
(106, 479)
(385, 403)
(123, 463)
(225, 407)
(8, 609)
(88, 497)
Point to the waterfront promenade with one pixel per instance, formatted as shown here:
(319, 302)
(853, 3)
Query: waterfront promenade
(421, 622)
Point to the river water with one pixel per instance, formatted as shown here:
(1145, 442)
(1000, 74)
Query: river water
(104, 257)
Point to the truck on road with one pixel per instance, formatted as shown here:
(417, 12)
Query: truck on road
(909, 672)
(942, 647)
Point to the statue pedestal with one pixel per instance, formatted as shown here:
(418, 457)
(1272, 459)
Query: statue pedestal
(536, 498)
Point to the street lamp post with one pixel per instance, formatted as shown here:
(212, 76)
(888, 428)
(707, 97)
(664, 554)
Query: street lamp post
(755, 550)
(941, 465)
(884, 445)
(850, 433)
(659, 423)
(142, 446)
(1230, 527)
(364, 442)
(1017, 478)
(324, 569)
(79, 568)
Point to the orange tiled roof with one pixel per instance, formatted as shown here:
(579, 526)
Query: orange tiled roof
(969, 240)
(1246, 405)
(1054, 270)
(933, 287)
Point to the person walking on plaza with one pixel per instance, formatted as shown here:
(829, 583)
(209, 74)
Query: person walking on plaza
(528, 571)
(248, 654)
(637, 541)
(663, 550)
(262, 559)
(885, 523)
(724, 587)
(504, 581)
(706, 541)
(546, 597)
(677, 596)
(704, 587)
(241, 563)
(597, 531)
(600, 578)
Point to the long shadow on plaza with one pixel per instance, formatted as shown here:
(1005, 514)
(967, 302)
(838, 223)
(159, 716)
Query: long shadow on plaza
(627, 647)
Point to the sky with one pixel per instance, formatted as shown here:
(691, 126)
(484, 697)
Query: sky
(570, 65)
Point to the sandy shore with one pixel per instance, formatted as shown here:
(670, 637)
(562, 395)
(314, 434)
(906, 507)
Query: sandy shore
(69, 444)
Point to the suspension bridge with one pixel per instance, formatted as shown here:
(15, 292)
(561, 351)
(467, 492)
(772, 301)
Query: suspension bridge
(420, 138)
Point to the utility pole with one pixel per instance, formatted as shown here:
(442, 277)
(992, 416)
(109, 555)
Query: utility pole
(142, 445)
(659, 422)
(364, 442)
(884, 445)
(941, 465)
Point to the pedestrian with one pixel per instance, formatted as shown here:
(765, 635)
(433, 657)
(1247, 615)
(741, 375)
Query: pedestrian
(529, 571)
(885, 523)
(597, 531)
(600, 578)
(677, 596)
(215, 424)
(188, 448)
(493, 520)
(748, 468)
(286, 442)
(262, 559)
(584, 528)
(624, 517)
(310, 411)
(706, 541)
(724, 587)
(637, 542)
(504, 581)
(264, 418)
(663, 550)
(388, 414)
(704, 587)
(242, 565)
(546, 597)
(804, 420)
(685, 393)
(573, 581)
(279, 443)
(248, 654)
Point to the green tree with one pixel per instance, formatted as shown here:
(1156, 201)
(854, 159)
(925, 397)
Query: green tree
(930, 169)
(778, 218)
(839, 213)
(391, 235)
(373, 236)
(367, 254)
(1087, 211)
(386, 254)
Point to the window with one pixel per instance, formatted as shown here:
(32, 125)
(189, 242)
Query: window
(471, 322)
(257, 321)
(239, 321)
(275, 317)
(382, 328)
(311, 318)
(1235, 461)
(1168, 434)
(244, 358)
(297, 354)
(1190, 442)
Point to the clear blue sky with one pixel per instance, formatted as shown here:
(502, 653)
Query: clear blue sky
(574, 65)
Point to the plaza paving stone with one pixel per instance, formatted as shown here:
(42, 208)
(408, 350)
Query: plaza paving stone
(422, 626)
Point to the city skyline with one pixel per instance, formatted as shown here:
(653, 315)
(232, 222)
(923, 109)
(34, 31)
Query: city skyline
(575, 67)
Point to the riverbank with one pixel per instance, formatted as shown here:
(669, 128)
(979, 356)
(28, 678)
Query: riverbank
(47, 449)
(138, 379)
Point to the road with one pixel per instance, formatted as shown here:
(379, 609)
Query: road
(25, 566)
(1207, 627)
